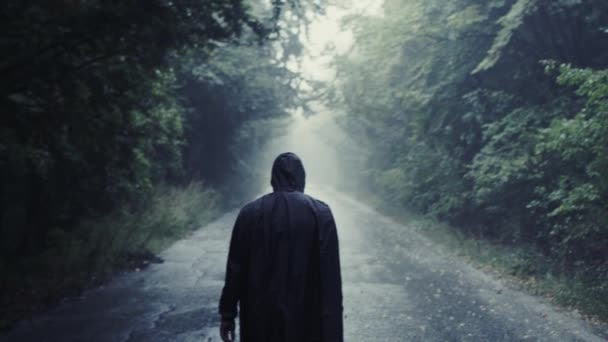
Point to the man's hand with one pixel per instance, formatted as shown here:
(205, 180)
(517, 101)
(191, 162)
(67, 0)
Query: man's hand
(227, 330)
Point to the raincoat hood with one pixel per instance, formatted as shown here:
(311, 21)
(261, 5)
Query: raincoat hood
(288, 173)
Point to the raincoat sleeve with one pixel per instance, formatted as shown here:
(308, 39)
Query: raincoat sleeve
(331, 280)
(235, 269)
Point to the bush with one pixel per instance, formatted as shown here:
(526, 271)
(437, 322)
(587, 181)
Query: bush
(73, 260)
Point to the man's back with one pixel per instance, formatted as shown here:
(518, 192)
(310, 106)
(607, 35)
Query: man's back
(283, 265)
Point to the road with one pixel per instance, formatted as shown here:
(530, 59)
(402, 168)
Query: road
(398, 286)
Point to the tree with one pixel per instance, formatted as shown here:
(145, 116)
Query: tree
(464, 121)
(97, 101)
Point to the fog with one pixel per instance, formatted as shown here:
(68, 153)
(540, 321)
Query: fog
(332, 158)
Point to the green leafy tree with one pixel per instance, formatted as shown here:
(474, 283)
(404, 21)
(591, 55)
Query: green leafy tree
(464, 121)
(99, 105)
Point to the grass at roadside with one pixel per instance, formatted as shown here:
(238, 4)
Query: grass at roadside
(584, 290)
(96, 249)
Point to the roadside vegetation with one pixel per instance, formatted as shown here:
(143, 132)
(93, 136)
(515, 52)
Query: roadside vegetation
(492, 117)
(127, 239)
(522, 266)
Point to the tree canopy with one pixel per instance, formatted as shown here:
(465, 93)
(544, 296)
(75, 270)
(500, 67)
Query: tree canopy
(489, 114)
(103, 101)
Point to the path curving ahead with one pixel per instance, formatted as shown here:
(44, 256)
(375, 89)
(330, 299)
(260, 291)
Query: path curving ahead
(394, 291)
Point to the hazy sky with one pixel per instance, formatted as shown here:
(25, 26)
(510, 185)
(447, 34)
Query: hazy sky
(316, 138)
(326, 31)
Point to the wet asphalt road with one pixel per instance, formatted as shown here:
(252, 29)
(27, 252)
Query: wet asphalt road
(398, 286)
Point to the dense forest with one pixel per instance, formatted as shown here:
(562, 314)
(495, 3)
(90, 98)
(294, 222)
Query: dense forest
(123, 122)
(491, 116)
(128, 124)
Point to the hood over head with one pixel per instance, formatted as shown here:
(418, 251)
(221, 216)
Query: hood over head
(288, 173)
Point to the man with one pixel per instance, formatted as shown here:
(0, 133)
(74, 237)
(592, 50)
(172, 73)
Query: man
(283, 266)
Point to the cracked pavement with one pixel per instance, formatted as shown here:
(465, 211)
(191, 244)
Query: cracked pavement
(398, 286)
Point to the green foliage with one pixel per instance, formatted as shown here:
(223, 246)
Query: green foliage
(468, 120)
(509, 24)
(236, 86)
(91, 119)
(578, 146)
(103, 102)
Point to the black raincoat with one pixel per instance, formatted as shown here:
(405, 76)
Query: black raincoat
(283, 265)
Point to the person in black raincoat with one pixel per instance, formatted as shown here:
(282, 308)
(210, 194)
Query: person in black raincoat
(283, 266)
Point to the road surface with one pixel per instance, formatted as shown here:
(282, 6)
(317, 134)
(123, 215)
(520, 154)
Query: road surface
(398, 286)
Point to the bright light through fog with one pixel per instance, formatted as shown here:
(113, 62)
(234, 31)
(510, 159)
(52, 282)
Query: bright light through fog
(315, 137)
(326, 38)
